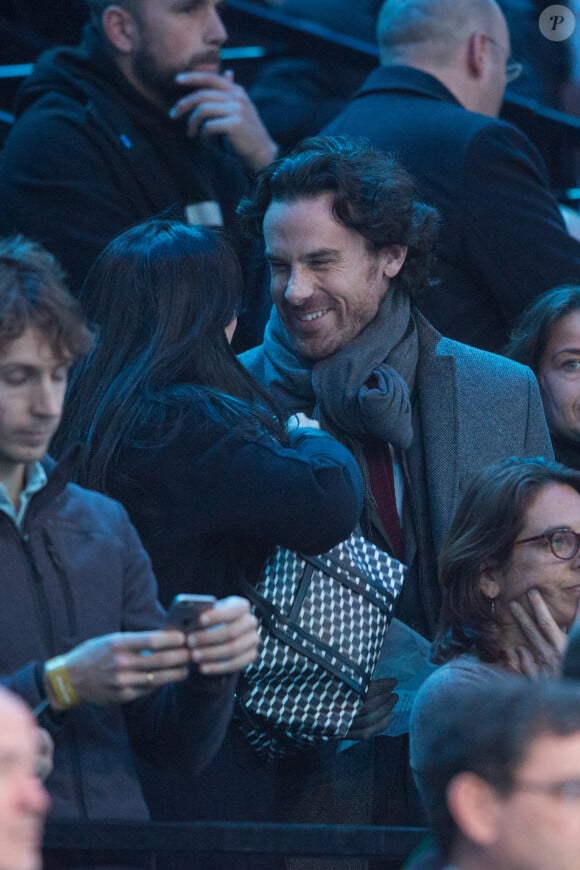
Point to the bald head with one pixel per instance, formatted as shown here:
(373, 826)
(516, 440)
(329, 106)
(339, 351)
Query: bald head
(11, 702)
(464, 43)
(429, 27)
(23, 800)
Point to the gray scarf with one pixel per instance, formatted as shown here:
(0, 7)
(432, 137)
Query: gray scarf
(362, 389)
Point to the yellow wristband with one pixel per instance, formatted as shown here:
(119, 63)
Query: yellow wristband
(61, 685)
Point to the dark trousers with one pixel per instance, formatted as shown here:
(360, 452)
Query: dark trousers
(368, 784)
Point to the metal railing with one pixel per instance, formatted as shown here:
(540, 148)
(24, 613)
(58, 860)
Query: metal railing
(392, 844)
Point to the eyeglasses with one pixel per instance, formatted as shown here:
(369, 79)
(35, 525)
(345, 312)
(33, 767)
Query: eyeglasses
(513, 68)
(566, 790)
(564, 543)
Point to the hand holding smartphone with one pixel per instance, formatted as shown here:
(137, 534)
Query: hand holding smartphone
(185, 610)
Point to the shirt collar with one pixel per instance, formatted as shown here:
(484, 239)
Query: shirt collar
(35, 479)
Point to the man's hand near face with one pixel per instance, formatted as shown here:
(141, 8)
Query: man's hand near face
(217, 105)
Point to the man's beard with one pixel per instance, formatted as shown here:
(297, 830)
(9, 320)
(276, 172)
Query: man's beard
(161, 82)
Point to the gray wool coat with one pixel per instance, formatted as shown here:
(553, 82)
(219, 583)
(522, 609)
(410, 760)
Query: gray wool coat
(475, 408)
(472, 408)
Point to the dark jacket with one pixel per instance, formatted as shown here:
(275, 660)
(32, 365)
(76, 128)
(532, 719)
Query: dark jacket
(89, 157)
(78, 570)
(210, 502)
(208, 505)
(502, 240)
(566, 451)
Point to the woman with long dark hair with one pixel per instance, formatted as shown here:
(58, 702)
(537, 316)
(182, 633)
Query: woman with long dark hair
(173, 426)
(510, 574)
(513, 542)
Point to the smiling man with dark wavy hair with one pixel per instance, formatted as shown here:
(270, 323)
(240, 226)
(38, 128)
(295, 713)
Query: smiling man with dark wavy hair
(350, 248)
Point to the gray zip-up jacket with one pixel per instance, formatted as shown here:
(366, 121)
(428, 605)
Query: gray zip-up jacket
(78, 570)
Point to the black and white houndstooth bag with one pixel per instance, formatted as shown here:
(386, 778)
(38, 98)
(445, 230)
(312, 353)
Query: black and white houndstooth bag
(322, 624)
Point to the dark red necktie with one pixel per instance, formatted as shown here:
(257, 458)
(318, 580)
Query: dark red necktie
(380, 468)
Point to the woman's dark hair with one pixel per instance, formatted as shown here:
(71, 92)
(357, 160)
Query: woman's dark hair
(488, 521)
(162, 294)
(372, 195)
(530, 335)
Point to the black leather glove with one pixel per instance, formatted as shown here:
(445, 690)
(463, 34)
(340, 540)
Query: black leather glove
(375, 714)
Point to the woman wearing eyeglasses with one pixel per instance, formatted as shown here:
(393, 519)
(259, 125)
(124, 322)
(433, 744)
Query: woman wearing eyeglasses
(510, 574)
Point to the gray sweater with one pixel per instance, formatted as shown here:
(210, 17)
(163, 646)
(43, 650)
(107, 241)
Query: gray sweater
(439, 691)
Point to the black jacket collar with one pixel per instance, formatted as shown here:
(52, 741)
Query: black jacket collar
(405, 80)
(59, 475)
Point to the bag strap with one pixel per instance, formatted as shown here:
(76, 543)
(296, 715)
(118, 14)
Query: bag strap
(338, 571)
(278, 625)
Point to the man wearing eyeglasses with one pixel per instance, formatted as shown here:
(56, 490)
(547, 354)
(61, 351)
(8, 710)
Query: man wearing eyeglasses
(434, 103)
(499, 774)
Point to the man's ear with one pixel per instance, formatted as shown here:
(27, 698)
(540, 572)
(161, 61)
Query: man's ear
(477, 50)
(393, 258)
(120, 28)
(475, 807)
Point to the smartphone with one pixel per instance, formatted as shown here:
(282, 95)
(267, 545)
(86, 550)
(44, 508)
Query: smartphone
(185, 609)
